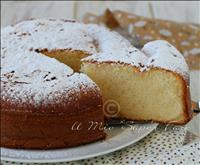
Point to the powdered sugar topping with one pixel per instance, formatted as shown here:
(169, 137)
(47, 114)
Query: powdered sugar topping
(162, 54)
(28, 75)
(157, 53)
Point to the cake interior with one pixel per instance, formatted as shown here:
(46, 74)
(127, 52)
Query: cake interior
(156, 94)
(72, 58)
(151, 95)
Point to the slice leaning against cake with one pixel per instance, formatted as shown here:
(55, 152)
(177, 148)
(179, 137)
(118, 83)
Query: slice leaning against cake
(148, 84)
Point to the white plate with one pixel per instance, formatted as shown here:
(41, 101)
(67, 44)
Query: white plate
(117, 138)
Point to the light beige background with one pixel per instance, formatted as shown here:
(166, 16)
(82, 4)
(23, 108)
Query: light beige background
(183, 11)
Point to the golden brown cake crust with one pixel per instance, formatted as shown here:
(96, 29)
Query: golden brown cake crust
(70, 102)
(23, 126)
(45, 131)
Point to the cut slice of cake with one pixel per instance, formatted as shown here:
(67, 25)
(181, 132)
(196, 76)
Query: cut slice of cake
(151, 84)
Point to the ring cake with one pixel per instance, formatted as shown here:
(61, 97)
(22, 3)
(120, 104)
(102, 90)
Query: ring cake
(46, 104)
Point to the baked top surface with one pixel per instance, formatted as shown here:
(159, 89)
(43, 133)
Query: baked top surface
(35, 80)
(32, 78)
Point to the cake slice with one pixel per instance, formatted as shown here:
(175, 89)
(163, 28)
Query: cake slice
(151, 84)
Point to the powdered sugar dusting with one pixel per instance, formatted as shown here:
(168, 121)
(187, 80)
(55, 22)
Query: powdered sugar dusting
(154, 54)
(131, 56)
(29, 76)
(164, 55)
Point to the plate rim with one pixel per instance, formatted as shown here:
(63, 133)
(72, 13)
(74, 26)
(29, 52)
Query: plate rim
(59, 160)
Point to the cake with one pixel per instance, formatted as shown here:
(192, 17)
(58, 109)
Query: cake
(151, 84)
(46, 102)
